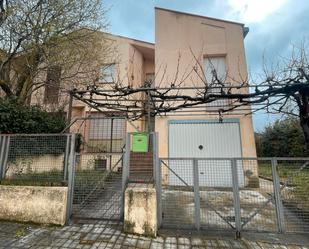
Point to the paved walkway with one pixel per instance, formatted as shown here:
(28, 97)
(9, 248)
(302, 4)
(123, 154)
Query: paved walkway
(104, 234)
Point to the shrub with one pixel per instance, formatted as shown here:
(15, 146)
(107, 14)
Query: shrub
(16, 118)
(284, 138)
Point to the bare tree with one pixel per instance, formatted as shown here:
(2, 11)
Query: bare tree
(284, 89)
(3, 8)
(39, 36)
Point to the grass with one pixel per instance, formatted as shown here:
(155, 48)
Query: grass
(84, 183)
(297, 182)
(48, 178)
(287, 172)
(54, 178)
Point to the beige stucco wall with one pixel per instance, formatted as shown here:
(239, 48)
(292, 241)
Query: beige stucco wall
(44, 205)
(133, 60)
(180, 38)
(87, 161)
(187, 35)
(35, 164)
(140, 209)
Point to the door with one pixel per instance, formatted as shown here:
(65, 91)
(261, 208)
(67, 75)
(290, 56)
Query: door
(203, 139)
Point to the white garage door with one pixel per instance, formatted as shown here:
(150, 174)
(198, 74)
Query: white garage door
(201, 139)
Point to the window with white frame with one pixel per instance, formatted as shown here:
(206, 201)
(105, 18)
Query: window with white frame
(215, 70)
(107, 73)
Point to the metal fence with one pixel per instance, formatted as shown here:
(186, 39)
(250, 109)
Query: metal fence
(98, 186)
(34, 159)
(98, 189)
(100, 133)
(100, 178)
(239, 194)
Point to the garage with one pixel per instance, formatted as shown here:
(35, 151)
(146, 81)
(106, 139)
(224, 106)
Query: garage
(204, 139)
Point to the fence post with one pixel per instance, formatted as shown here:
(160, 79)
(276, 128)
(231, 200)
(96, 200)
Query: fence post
(125, 170)
(155, 153)
(278, 200)
(71, 174)
(159, 192)
(196, 194)
(66, 159)
(1, 155)
(4, 151)
(236, 197)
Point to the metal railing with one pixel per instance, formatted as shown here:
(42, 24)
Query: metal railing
(34, 159)
(240, 194)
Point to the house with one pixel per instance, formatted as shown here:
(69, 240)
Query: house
(197, 133)
(182, 41)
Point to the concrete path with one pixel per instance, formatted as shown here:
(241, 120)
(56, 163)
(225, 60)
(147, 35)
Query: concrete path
(104, 234)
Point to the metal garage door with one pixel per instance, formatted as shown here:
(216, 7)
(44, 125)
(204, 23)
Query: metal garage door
(202, 139)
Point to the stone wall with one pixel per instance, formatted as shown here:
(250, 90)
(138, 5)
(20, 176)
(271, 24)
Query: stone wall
(44, 205)
(140, 210)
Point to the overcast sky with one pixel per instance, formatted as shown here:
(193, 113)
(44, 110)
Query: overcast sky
(274, 25)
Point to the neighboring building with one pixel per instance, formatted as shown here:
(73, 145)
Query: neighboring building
(178, 36)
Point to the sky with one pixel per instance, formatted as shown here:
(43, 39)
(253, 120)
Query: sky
(275, 25)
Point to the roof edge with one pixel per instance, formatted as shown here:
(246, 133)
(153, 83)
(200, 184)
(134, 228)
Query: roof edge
(190, 14)
(129, 38)
(120, 36)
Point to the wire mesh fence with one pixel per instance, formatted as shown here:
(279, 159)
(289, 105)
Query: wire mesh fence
(34, 159)
(216, 194)
(240, 194)
(98, 186)
(178, 209)
(257, 196)
(294, 190)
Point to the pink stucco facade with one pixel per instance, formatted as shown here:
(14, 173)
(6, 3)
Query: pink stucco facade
(182, 42)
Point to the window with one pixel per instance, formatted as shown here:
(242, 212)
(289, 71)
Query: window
(107, 73)
(150, 78)
(216, 66)
(100, 164)
(100, 128)
(52, 85)
(106, 134)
